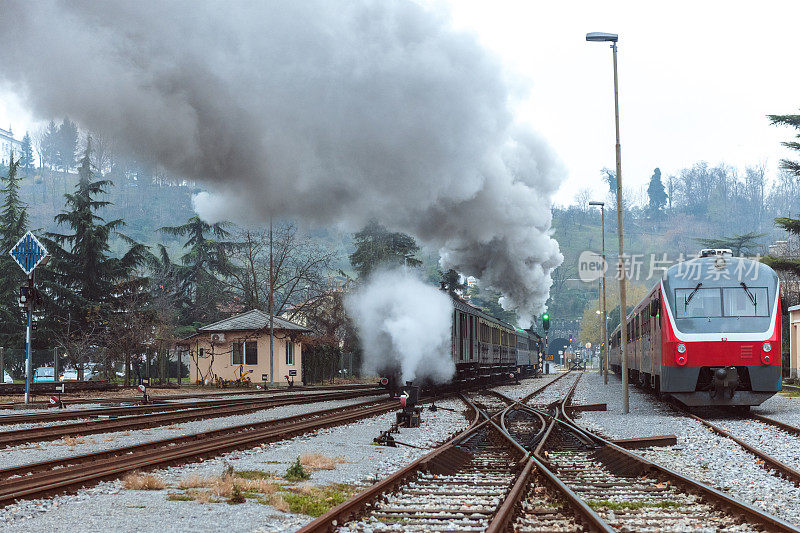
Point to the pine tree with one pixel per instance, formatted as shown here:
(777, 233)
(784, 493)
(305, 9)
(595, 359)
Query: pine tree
(375, 246)
(66, 144)
(83, 280)
(784, 264)
(13, 225)
(451, 281)
(656, 193)
(27, 152)
(50, 145)
(794, 122)
(738, 244)
(205, 263)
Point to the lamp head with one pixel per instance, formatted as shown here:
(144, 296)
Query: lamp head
(599, 36)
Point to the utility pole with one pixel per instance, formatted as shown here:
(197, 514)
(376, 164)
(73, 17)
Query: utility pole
(271, 311)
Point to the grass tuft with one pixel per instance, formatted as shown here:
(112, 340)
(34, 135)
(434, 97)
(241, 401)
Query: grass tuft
(618, 506)
(316, 501)
(175, 497)
(318, 461)
(296, 472)
(255, 474)
(138, 481)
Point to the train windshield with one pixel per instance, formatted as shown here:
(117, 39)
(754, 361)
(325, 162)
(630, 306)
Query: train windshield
(739, 301)
(698, 302)
(716, 302)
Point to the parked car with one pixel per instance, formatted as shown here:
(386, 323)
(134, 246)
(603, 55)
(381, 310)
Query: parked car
(44, 374)
(69, 374)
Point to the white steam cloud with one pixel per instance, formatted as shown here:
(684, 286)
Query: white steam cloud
(333, 112)
(404, 325)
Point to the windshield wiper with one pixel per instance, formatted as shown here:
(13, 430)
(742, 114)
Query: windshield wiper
(691, 295)
(749, 294)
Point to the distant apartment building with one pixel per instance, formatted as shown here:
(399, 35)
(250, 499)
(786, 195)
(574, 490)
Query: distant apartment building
(7, 143)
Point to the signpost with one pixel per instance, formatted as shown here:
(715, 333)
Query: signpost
(28, 254)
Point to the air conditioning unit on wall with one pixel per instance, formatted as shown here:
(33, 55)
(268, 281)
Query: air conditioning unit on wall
(216, 338)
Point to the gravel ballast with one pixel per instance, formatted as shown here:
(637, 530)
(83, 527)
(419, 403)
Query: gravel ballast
(45, 451)
(108, 506)
(699, 453)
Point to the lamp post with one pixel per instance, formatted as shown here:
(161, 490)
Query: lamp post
(613, 38)
(604, 327)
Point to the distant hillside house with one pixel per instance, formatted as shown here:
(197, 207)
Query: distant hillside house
(240, 343)
(7, 142)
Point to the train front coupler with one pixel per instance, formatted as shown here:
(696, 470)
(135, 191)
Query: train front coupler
(724, 381)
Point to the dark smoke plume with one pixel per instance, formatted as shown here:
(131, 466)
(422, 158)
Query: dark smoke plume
(327, 111)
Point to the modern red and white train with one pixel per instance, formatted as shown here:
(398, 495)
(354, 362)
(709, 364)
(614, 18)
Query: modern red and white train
(708, 334)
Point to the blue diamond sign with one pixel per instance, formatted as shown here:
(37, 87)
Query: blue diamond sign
(28, 253)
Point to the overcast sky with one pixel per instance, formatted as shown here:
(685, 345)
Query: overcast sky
(696, 81)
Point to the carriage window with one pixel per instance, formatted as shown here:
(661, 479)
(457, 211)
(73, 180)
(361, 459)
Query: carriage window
(738, 302)
(695, 303)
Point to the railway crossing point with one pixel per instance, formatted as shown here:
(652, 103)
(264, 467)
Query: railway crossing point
(28, 254)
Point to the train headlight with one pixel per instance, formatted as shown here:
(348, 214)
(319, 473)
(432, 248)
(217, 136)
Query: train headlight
(766, 347)
(681, 348)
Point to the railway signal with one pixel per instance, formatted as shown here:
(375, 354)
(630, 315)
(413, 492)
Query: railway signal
(545, 321)
(29, 253)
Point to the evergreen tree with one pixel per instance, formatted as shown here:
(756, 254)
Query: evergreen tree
(27, 160)
(50, 145)
(66, 144)
(656, 193)
(794, 122)
(13, 225)
(784, 264)
(375, 246)
(738, 244)
(207, 260)
(451, 282)
(83, 280)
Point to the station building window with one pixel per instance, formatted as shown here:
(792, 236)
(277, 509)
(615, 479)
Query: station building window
(245, 353)
(289, 352)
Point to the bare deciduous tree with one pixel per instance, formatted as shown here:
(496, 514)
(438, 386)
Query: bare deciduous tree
(301, 270)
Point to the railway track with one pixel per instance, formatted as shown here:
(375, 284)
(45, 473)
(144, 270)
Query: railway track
(630, 493)
(463, 485)
(528, 469)
(134, 422)
(118, 411)
(762, 424)
(48, 477)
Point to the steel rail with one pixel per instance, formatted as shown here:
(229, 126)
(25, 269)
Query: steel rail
(345, 511)
(127, 423)
(70, 414)
(507, 511)
(781, 468)
(68, 472)
(355, 505)
(794, 430)
(706, 491)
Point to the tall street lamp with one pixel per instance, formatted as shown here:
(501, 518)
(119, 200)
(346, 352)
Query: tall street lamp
(613, 38)
(604, 327)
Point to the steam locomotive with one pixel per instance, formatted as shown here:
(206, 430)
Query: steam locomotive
(708, 334)
(485, 349)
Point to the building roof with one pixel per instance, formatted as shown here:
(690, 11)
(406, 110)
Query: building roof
(251, 321)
